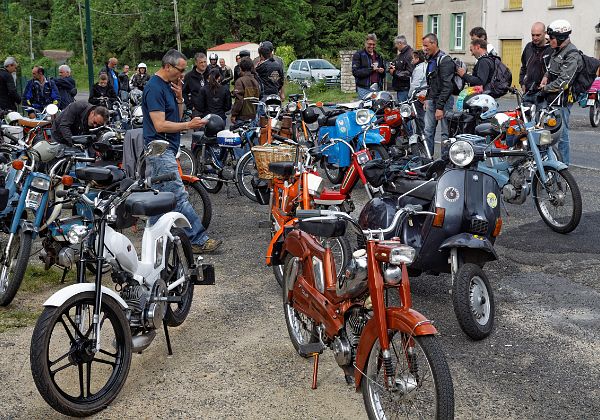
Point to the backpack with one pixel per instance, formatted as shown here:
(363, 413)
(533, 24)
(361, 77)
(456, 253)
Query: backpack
(584, 78)
(457, 82)
(501, 78)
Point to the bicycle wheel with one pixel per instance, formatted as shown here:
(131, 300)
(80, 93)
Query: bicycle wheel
(200, 200)
(207, 168)
(245, 172)
(187, 162)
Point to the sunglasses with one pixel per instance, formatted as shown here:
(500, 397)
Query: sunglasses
(180, 70)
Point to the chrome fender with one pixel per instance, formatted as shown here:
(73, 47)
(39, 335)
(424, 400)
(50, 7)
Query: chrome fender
(64, 294)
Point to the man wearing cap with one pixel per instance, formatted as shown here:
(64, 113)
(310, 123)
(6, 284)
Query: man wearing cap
(270, 71)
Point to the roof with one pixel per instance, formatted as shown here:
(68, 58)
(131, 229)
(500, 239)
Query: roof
(228, 46)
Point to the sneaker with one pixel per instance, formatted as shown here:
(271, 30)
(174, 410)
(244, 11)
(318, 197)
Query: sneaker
(211, 245)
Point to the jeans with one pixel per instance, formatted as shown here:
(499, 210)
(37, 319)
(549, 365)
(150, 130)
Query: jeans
(361, 92)
(402, 95)
(431, 123)
(164, 164)
(563, 143)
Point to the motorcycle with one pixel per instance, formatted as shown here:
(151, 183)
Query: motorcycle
(82, 343)
(591, 100)
(135, 102)
(390, 353)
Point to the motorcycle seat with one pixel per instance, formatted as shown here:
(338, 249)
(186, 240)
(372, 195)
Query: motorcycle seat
(327, 120)
(485, 129)
(327, 228)
(84, 139)
(31, 123)
(198, 137)
(283, 169)
(402, 185)
(149, 204)
(102, 175)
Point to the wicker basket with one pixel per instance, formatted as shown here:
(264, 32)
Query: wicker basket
(265, 154)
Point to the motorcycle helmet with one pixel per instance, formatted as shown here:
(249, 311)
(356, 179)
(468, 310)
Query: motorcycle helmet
(273, 104)
(381, 101)
(559, 29)
(214, 125)
(213, 56)
(142, 66)
(13, 117)
(499, 120)
(47, 150)
(482, 104)
(310, 115)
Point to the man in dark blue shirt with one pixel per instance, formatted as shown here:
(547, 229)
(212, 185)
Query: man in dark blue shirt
(162, 106)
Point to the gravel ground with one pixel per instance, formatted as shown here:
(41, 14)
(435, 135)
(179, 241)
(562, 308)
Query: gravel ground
(233, 358)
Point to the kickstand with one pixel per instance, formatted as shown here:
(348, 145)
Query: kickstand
(64, 276)
(315, 370)
(170, 351)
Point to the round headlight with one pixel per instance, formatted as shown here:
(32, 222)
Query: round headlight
(545, 137)
(405, 110)
(461, 153)
(363, 116)
(292, 106)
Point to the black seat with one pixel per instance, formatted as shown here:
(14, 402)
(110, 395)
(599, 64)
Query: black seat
(403, 185)
(198, 137)
(283, 169)
(329, 116)
(85, 139)
(150, 204)
(327, 228)
(102, 175)
(485, 129)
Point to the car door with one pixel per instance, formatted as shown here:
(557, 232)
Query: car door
(293, 70)
(304, 70)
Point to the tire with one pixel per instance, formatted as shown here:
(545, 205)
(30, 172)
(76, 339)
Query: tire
(424, 370)
(177, 312)
(301, 328)
(595, 114)
(378, 151)
(473, 300)
(211, 186)
(245, 172)
(334, 174)
(561, 186)
(65, 396)
(11, 276)
(200, 200)
(187, 161)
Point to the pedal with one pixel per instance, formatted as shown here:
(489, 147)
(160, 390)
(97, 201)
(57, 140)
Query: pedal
(208, 276)
(263, 224)
(310, 349)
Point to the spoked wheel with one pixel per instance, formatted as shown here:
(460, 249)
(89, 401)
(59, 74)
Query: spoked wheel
(473, 301)
(70, 375)
(245, 172)
(300, 327)
(177, 312)
(595, 114)
(559, 201)
(334, 174)
(422, 385)
(12, 268)
(200, 200)
(207, 169)
(187, 162)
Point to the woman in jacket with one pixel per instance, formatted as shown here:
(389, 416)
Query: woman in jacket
(418, 82)
(246, 86)
(215, 98)
(139, 79)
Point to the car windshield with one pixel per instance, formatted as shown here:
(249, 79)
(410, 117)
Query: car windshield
(321, 65)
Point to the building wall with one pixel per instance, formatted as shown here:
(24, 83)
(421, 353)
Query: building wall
(473, 9)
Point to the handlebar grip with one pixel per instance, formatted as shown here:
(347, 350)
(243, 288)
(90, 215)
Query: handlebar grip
(61, 193)
(305, 214)
(163, 178)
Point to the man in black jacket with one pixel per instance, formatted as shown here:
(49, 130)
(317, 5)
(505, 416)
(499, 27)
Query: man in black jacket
(401, 68)
(269, 71)
(193, 82)
(440, 71)
(66, 86)
(9, 98)
(77, 119)
(484, 68)
(368, 67)
(534, 59)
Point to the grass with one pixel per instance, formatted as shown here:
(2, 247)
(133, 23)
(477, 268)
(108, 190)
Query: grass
(319, 92)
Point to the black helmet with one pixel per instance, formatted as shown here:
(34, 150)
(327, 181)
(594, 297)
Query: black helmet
(214, 125)
(310, 115)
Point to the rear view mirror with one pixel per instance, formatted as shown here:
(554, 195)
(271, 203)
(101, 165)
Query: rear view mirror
(51, 109)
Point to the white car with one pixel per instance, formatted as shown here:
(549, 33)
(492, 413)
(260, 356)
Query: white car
(314, 69)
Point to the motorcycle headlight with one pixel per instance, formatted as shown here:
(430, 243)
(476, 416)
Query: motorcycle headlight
(545, 137)
(461, 153)
(402, 254)
(40, 183)
(363, 116)
(77, 233)
(405, 110)
(292, 106)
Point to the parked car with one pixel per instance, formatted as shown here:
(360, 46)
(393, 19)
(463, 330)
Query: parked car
(314, 70)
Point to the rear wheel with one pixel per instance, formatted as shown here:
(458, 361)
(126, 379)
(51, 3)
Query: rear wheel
(595, 114)
(200, 200)
(186, 161)
(378, 151)
(245, 172)
(559, 201)
(334, 174)
(473, 300)
(177, 312)
(207, 169)
(13, 265)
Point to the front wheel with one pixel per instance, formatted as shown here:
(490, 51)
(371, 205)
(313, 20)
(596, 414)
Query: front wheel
(186, 161)
(245, 172)
(558, 201)
(473, 301)
(200, 200)
(207, 168)
(174, 269)
(334, 174)
(378, 151)
(74, 378)
(421, 386)
(14, 264)
(595, 114)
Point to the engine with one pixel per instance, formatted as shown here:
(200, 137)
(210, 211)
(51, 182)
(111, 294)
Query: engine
(344, 345)
(517, 189)
(147, 306)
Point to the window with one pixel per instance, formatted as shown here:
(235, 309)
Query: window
(457, 40)
(433, 25)
(295, 65)
(304, 66)
(563, 3)
(515, 4)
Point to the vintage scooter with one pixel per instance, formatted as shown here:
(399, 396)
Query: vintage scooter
(457, 237)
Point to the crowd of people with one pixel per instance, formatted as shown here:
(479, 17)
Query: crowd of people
(548, 66)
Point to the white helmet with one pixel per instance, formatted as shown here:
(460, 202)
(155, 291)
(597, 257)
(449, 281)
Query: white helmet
(484, 103)
(12, 117)
(213, 56)
(560, 29)
(142, 66)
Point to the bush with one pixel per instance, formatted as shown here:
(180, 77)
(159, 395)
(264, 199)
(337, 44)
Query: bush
(287, 54)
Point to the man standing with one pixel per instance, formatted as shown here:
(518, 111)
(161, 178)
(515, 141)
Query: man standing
(40, 91)
(193, 82)
(9, 98)
(440, 71)
(270, 71)
(77, 119)
(111, 71)
(124, 79)
(66, 86)
(484, 68)
(534, 59)
(401, 68)
(162, 106)
(236, 69)
(226, 72)
(479, 33)
(368, 67)
(565, 63)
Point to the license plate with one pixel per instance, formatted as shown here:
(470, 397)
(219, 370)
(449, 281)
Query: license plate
(590, 102)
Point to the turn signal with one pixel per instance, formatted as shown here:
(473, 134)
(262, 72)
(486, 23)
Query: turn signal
(551, 122)
(319, 104)
(66, 180)
(511, 131)
(498, 227)
(438, 219)
(18, 164)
